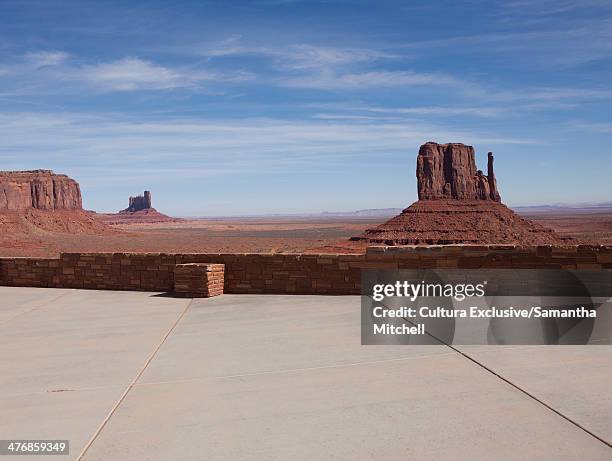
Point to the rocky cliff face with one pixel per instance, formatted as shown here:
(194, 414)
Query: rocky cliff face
(38, 189)
(140, 202)
(448, 171)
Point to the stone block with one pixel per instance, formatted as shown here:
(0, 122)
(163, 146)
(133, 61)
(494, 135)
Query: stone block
(199, 280)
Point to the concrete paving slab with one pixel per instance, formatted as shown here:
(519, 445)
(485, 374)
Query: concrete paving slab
(436, 408)
(280, 377)
(90, 338)
(64, 366)
(574, 380)
(285, 377)
(237, 334)
(16, 301)
(69, 415)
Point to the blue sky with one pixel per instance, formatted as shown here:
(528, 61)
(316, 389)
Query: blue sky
(228, 108)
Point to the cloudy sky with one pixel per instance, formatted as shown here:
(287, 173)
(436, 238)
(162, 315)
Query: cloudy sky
(226, 108)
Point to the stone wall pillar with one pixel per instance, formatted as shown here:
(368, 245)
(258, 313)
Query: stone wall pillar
(199, 280)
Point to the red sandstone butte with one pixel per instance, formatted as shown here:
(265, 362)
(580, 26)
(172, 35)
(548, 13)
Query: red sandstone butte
(38, 189)
(457, 204)
(140, 202)
(40, 200)
(139, 211)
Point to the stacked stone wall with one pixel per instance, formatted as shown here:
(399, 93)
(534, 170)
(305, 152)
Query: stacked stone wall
(323, 274)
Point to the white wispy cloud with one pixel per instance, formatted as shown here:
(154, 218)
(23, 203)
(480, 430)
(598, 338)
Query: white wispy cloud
(316, 57)
(600, 127)
(131, 74)
(517, 107)
(358, 118)
(331, 81)
(548, 8)
(350, 112)
(298, 66)
(439, 110)
(330, 68)
(244, 146)
(126, 74)
(569, 44)
(300, 56)
(537, 98)
(46, 58)
(568, 94)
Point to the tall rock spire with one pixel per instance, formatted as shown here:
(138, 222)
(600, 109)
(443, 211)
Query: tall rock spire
(493, 192)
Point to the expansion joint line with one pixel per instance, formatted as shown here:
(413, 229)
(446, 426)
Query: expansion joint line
(133, 382)
(516, 386)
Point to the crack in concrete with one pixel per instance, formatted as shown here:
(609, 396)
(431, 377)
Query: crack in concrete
(517, 387)
(133, 382)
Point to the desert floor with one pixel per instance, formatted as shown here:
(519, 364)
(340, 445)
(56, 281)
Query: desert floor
(591, 227)
(238, 235)
(286, 235)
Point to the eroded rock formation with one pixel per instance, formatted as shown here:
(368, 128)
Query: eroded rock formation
(38, 189)
(448, 171)
(140, 202)
(458, 204)
(139, 211)
(38, 202)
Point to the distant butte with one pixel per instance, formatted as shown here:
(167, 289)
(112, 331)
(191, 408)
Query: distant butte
(140, 202)
(139, 211)
(458, 204)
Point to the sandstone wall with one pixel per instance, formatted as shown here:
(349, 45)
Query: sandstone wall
(39, 189)
(285, 274)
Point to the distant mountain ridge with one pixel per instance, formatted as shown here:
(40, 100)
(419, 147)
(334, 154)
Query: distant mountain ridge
(367, 213)
(390, 212)
(565, 208)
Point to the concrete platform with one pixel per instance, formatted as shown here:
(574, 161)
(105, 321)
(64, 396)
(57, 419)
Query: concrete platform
(138, 376)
